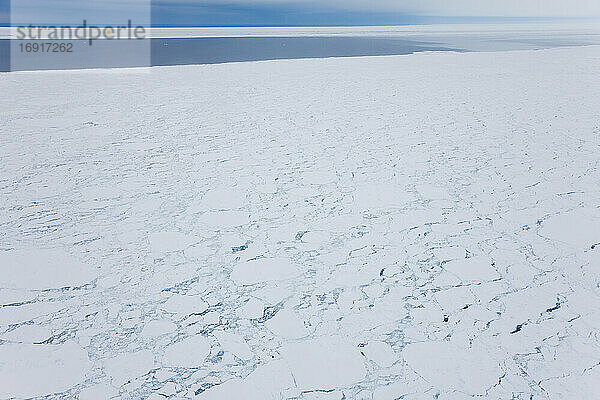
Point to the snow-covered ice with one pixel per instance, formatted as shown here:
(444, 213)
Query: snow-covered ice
(30, 370)
(415, 227)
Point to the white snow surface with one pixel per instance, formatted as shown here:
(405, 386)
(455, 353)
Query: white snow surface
(416, 227)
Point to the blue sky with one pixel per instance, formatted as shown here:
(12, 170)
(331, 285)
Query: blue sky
(294, 12)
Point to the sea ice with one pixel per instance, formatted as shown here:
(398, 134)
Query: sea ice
(324, 363)
(185, 304)
(187, 353)
(445, 365)
(287, 324)
(128, 366)
(30, 370)
(43, 269)
(371, 227)
(264, 269)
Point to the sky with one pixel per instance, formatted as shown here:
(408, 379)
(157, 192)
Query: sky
(291, 12)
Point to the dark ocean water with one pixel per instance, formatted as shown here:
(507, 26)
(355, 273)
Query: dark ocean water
(186, 51)
(219, 50)
(4, 55)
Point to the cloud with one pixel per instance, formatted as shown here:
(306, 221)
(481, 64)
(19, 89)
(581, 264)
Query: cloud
(504, 8)
(501, 8)
(203, 12)
(41, 12)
